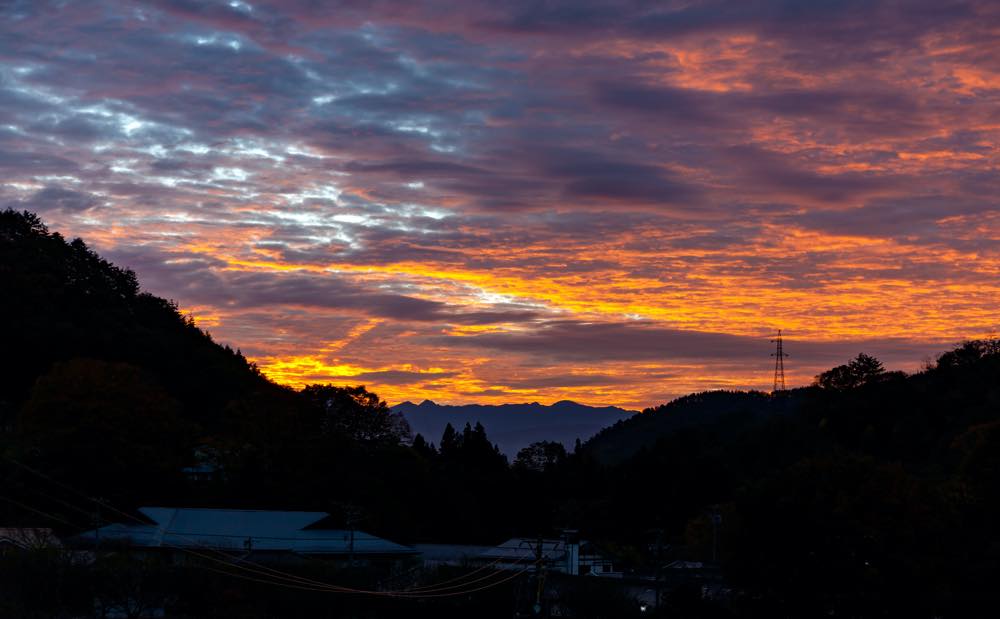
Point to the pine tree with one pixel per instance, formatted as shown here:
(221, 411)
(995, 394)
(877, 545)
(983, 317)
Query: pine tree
(450, 442)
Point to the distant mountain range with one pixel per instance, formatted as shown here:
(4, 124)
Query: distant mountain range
(513, 426)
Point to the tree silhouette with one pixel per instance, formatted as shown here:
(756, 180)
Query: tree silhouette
(540, 456)
(450, 442)
(859, 371)
(358, 414)
(422, 447)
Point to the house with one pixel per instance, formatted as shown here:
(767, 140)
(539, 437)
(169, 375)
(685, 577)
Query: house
(568, 555)
(201, 473)
(206, 467)
(237, 531)
(454, 555)
(706, 575)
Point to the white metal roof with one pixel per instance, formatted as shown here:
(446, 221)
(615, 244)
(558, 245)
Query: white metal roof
(230, 522)
(236, 530)
(524, 549)
(450, 553)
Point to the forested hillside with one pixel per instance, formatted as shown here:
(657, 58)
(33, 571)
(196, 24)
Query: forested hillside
(736, 409)
(62, 301)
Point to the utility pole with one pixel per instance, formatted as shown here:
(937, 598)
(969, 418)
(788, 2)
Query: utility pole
(97, 547)
(350, 515)
(539, 577)
(659, 568)
(779, 364)
(97, 527)
(353, 515)
(716, 519)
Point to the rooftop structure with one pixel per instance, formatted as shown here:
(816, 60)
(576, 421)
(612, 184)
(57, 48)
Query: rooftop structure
(238, 530)
(567, 555)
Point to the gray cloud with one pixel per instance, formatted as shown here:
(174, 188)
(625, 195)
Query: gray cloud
(58, 198)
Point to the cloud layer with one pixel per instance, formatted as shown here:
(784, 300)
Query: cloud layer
(610, 202)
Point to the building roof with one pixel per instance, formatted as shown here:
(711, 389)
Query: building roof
(450, 553)
(685, 565)
(238, 529)
(524, 549)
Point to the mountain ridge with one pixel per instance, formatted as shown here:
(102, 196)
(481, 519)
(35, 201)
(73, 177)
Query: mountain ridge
(513, 426)
(740, 409)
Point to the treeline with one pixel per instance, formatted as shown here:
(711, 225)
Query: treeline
(868, 493)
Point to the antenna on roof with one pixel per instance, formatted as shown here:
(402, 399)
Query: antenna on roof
(779, 364)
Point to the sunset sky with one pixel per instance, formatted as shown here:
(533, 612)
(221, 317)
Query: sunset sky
(610, 202)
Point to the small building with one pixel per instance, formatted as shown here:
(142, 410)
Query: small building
(201, 473)
(244, 532)
(568, 556)
(705, 575)
(453, 555)
(206, 466)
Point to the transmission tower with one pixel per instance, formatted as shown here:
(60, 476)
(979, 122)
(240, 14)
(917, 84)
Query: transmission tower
(779, 364)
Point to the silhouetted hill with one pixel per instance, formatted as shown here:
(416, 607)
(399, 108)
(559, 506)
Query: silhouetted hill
(736, 409)
(513, 426)
(61, 301)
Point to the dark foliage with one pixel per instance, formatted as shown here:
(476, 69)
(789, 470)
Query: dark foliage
(356, 415)
(62, 301)
(541, 456)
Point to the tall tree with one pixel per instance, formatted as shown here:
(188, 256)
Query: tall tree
(422, 447)
(861, 370)
(450, 442)
(540, 456)
(358, 414)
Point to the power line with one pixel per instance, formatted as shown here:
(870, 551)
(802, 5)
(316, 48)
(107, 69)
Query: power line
(37, 511)
(437, 586)
(463, 576)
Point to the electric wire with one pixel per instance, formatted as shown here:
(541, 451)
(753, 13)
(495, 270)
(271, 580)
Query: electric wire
(37, 511)
(462, 576)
